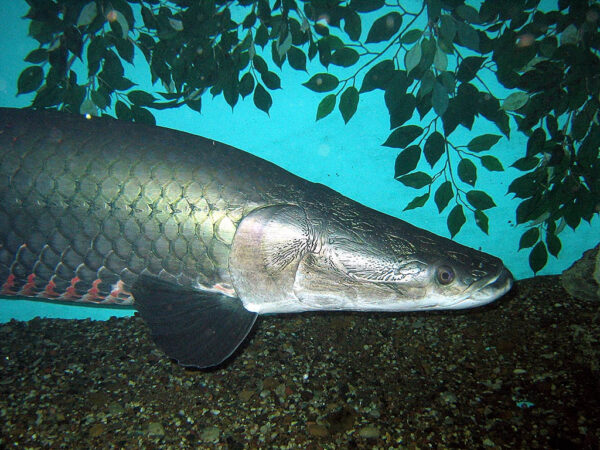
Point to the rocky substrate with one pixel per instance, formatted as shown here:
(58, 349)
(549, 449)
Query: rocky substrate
(523, 372)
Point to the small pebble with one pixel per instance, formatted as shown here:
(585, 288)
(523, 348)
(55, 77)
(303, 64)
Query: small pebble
(210, 434)
(156, 429)
(246, 395)
(96, 430)
(315, 429)
(369, 432)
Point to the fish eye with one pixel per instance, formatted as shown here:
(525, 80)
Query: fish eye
(445, 275)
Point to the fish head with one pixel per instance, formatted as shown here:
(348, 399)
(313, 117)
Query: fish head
(287, 259)
(378, 262)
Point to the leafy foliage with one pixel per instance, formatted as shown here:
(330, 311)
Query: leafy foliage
(548, 60)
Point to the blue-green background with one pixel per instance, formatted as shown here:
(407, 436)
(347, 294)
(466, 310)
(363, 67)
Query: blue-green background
(348, 158)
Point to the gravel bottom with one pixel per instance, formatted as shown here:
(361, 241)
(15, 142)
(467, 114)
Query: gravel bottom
(520, 373)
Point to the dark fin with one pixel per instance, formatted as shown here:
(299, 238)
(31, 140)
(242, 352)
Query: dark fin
(198, 329)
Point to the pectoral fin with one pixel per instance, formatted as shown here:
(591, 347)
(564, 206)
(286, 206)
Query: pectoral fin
(198, 329)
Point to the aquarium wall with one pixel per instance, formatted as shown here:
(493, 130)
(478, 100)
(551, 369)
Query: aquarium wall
(348, 157)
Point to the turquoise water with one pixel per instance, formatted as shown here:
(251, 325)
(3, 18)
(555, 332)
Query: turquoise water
(348, 158)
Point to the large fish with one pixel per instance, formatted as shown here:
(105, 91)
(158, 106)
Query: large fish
(201, 237)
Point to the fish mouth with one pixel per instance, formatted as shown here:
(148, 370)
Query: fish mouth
(485, 291)
(502, 283)
(493, 287)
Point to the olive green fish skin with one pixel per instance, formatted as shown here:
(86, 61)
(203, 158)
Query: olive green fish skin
(86, 206)
(103, 200)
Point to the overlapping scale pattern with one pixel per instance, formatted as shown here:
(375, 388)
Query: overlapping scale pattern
(86, 206)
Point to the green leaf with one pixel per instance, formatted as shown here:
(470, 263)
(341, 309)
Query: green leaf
(95, 52)
(142, 115)
(587, 154)
(427, 82)
(48, 96)
(324, 52)
(456, 219)
(428, 48)
(468, 36)
(468, 68)
(407, 160)
(321, 28)
(88, 108)
(448, 81)
(467, 172)
(271, 80)
(262, 99)
(326, 106)
(401, 108)
(515, 101)
(482, 221)
(440, 60)
(491, 163)
(378, 76)
(296, 58)
(434, 148)
(468, 13)
(411, 36)
(413, 57)
(483, 142)
(439, 99)
(535, 143)
(246, 84)
(480, 200)
(112, 71)
(122, 111)
(100, 98)
(231, 91)
(122, 84)
(195, 103)
(529, 238)
(119, 25)
(572, 215)
(366, 5)
(415, 180)
(443, 195)
(344, 57)
(538, 257)
(262, 36)
(553, 243)
(149, 19)
(125, 49)
(417, 202)
(260, 64)
(322, 82)
(527, 209)
(37, 56)
(284, 45)
(249, 20)
(403, 136)
(87, 15)
(548, 46)
(384, 27)
(526, 164)
(140, 98)
(348, 103)
(580, 125)
(30, 79)
(447, 28)
(352, 25)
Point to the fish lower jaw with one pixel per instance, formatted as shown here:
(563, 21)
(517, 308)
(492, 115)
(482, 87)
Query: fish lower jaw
(361, 306)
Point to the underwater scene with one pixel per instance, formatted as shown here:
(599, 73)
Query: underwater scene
(300, 224)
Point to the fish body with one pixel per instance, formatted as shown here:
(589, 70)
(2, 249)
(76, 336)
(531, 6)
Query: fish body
(201, 237)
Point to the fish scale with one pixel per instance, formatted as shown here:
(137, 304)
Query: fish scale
(103, 214)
